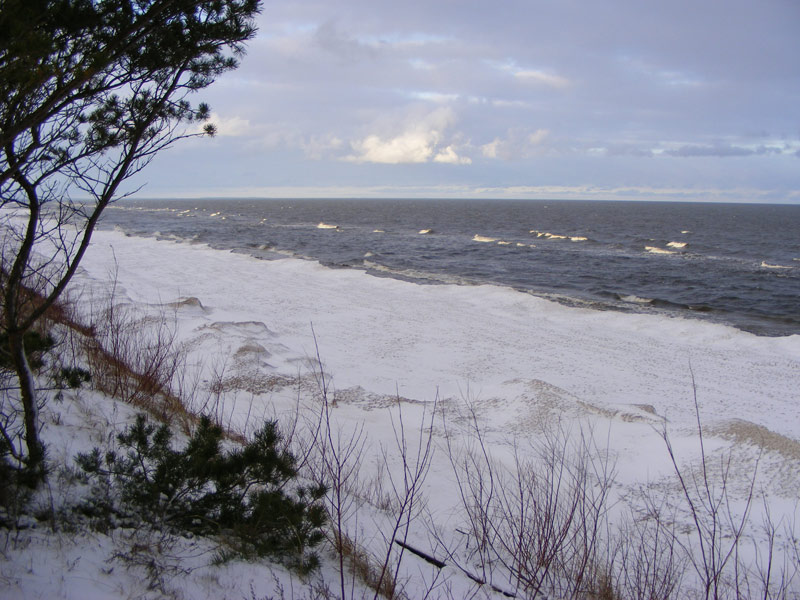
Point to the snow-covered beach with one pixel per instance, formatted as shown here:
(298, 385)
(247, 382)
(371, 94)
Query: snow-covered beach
(483, 342)
(516, 361)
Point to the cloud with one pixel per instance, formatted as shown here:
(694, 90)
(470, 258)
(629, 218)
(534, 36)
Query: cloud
(516, 144)
(320, 146)
(410, 147)
(228, 126)
(329, 38)
(616, 93)
(449, 156)
(420, 141)
(721, 151)
(542, 78)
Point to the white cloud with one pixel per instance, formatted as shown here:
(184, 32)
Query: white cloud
(228, 126)
(420, 141)
(492, 149)
(319, 146)
(542, 78)
(411, 147)
(516, 144)
(539, 77)
(538, 136)
(437, 97)
(449, 156)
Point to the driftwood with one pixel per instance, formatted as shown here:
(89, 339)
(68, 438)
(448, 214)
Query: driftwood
(439, 564)
(423, 555)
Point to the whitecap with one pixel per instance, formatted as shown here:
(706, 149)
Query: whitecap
(556, 236)
(503, 243)
(368, 254)
(766, 265)
(578, 238)
(425, 231)
(677, 244)
(326, 226)
(216, 214)
(636, 299)
(378, 231)
(685, 231)
(655, 250)
(483, 238)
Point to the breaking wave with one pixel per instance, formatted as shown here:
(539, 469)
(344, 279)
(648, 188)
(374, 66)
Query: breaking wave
(656, 250)
(766, 265)
(483, 238)
(635, 299)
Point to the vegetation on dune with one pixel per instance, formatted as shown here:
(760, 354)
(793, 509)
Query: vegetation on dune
(246, 496)
(90, 92)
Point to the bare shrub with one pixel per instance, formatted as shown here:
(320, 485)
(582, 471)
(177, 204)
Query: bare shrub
(336, 456)
(135, 357)
(537, 520)
(720, 525)
(646, 563)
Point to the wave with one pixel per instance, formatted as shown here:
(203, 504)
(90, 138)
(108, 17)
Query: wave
(483, 238)
(635, 299)
(766, 265)
(326, 226)
(558, 236)
(415, 276)
(677, 244)
(503, 243)
(261, 246)
(655, 250)
(660, 303)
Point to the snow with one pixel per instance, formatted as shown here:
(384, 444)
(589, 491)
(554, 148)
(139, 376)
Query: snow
(517, 361)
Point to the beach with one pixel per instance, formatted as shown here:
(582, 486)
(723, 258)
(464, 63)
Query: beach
(451, 373)
(628, 375)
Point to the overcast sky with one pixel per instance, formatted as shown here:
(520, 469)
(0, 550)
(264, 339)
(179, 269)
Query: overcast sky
(678, 99)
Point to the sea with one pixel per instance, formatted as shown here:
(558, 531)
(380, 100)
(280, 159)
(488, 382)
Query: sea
(737, 264)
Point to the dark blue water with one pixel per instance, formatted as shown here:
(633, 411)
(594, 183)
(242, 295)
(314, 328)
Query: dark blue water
(733, 263)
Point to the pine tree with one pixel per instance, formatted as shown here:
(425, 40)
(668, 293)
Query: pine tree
(90, 92)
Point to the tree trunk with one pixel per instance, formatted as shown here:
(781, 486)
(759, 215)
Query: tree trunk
(27, 391)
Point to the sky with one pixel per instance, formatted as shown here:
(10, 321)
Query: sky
(622, 99)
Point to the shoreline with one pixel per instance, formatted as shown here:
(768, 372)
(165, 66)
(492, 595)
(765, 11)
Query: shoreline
(403, 362)
(448, 336)
(716, 272)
